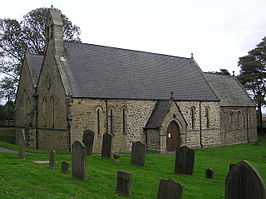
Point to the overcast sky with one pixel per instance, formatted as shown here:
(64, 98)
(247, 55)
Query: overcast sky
(217, 32)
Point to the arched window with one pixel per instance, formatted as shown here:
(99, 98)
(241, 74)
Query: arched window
(111, 120)
(193, 112)
(207, 115)
(124, 120)
(44, 101)
(52, 110)
(238, 120)
(28, 110)
(98, 120)
(244, 121)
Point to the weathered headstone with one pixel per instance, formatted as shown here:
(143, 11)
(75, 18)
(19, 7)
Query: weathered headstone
(78, 161)
(138, 153)
(64, 167)
(184, 161)
(52, 159)
(169, 189)
(22, 145)
(231, 166)
(88, 137)
(123, 183)
(209, 173)
(244, 182)
(107, 145)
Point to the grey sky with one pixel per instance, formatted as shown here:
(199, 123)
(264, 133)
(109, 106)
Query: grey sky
(218, 32)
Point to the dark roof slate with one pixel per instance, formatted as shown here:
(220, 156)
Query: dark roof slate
(158, 114)
(229, 90)
(106, 72)
(36, 65)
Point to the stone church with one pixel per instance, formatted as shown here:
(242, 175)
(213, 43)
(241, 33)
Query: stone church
(164, 101)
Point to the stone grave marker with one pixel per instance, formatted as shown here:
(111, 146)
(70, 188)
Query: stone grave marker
(124, 183)
(22, 145)
(231, 166)
(64, 167)
(184, 161)
(209, 173)
(138, 153)
(88, 137)
(78, 161)
(52, 162)
(107, 145)
(169, 189)
(244, 182)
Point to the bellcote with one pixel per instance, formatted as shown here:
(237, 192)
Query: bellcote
(54, 32)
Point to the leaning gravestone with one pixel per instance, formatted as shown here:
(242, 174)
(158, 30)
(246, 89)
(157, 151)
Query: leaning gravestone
(88, 137)
(138, 153)
(64, 167)
(169, 189)
(184, 161)
(22, 145)
(78, 161)
(107, 145)
(244, 182)
(123, 186)
(52, 159)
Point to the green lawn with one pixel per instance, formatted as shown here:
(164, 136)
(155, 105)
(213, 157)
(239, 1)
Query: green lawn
(23, 179)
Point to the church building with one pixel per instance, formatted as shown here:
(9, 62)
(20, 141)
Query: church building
(163, 101)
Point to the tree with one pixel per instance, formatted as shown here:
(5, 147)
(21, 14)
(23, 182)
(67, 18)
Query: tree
(17, 38)
(253, 75)
(223, 72)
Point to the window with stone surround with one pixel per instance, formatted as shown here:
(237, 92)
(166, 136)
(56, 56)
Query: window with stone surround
(193, 112)
(53, 110)
(98, 120)
(207, 115)
(111, 120)
(238, 120)
(124, 120)
(44, 104)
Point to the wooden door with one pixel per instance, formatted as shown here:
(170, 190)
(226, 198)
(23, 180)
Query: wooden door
(173, 136)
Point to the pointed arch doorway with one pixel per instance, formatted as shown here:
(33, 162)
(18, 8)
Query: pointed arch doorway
(173, 136)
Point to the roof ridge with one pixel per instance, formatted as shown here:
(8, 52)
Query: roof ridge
(218, 74)
(118, 48)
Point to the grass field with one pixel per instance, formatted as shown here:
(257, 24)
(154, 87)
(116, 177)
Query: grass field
(23, 179)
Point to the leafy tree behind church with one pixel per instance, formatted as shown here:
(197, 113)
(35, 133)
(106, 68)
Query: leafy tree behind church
(253, 75)
(28, 35)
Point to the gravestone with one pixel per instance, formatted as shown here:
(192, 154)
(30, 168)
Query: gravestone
(138, 153)
(184, 160)
(123, 183)
(169, 189)
(52, 159)
(107, 145)
(78, 161)
(231, 166)
(88, 137)
(209, 173)
(64, 167)
(244, 182)
(22, 145)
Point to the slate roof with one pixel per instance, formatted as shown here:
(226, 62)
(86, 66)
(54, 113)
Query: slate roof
(158, 114)
(36, 63)
(229, 90)
(106, 72)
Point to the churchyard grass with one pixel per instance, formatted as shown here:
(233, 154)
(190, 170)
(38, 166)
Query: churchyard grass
(23, 179)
